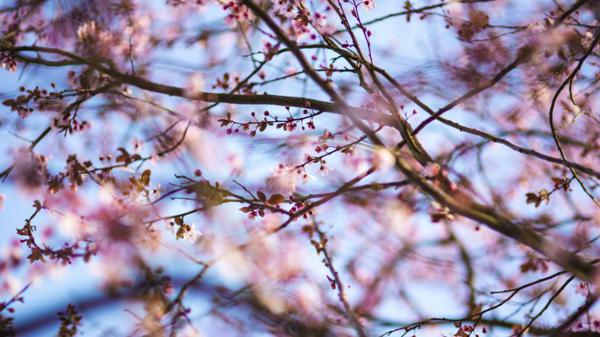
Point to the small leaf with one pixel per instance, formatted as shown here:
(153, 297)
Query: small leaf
(206, 194)
(545, 196)
(36, 254)
(557, 181)
(37, 204)
(276, 199)
(533, 198)
(145, 178)
(261, 196)
(123, 157)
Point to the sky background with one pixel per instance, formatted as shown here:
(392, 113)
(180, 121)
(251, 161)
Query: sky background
(419, 44)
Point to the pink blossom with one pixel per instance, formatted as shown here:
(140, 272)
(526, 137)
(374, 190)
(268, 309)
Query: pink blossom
(284, 179)
(582, 289)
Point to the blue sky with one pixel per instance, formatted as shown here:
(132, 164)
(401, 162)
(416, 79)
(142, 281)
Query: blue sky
(419, 46)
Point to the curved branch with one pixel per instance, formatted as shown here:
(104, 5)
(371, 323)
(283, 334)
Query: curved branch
(551, 114)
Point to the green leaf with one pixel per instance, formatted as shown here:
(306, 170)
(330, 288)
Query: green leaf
(207, 194)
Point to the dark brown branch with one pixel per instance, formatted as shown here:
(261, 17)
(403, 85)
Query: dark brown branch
(569, 79)
(459, 203)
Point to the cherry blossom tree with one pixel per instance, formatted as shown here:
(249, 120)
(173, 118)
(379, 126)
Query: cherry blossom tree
(299, 167)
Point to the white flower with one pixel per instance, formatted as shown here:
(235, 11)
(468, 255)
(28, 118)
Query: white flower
(137, 145)
(370, 4)
(306, 178)
(74, 226)
(383, 159)
(170, 227)
(192, 234)
(185, 231)
(283, 179)
(87, 29)
(309, 297)
(285, 8)
(194, 85)
(582, 289)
